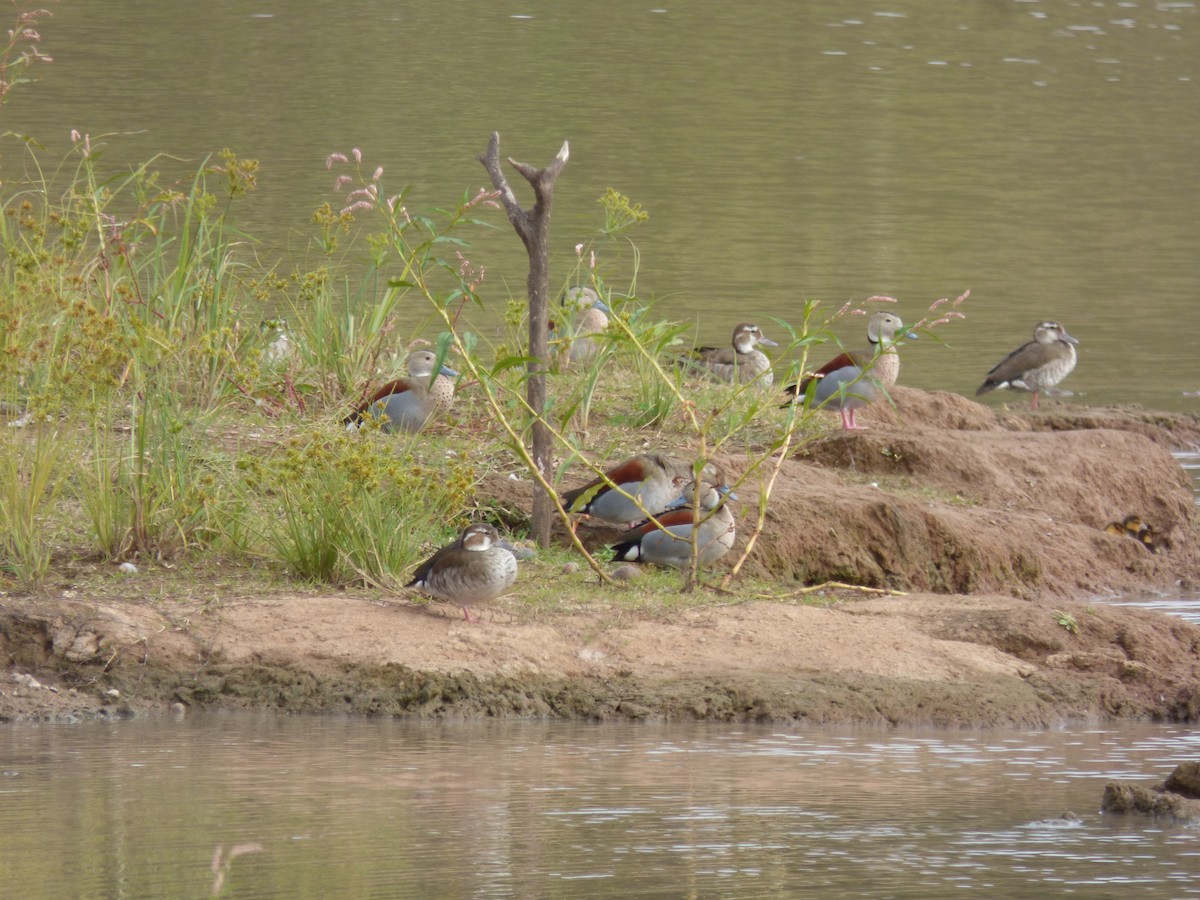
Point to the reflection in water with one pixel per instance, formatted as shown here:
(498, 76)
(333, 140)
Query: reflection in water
(391, 808)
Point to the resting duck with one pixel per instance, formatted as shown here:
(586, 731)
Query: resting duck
(1142, 532)
(853, 379)
(652, 479)
(408, 403)
(589, 316)
(473, 569)
(671, 544)
(279, 341)
(740, 363)
(1036, 366)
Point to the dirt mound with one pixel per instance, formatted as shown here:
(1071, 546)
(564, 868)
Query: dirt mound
(960, 499)
(995, 522)
(927, 509)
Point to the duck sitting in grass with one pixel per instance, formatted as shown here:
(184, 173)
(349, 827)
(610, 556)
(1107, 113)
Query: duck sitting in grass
(648, 484)
(587, 316)
(668, 542)
(407, 404)
(740, 363)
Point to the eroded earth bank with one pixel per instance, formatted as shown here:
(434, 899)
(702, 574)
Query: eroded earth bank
(989, 527)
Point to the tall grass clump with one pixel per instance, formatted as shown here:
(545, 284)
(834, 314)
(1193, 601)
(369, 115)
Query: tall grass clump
(154, 487)
(356, 507)
(29, 486)
(110, 277)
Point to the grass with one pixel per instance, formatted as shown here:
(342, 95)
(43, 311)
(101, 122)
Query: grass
(159, 427)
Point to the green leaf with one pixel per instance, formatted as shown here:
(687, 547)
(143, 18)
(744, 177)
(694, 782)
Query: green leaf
(511, 362)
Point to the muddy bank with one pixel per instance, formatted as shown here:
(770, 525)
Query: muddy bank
(918, 659)
(992, 523)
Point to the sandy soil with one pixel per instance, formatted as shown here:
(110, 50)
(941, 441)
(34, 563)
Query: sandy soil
(991, 524)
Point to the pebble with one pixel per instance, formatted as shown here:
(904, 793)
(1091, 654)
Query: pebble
(626, 573)
(112, 692)
(127, 568)
(570, 568)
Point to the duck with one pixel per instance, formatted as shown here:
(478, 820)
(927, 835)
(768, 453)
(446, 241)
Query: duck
(1036, 366)
(669, 541)
(653, 481)
(740, 363)
(475, 568)
(589, 316)
(407, 404)
(279, 341)
(853, 379)
(1142, 532)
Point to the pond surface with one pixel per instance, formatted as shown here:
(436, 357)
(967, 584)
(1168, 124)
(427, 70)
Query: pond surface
(1041, 154)
(368, 808)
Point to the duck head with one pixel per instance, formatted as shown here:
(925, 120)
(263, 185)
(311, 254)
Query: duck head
(1052, 333)
(746, 336)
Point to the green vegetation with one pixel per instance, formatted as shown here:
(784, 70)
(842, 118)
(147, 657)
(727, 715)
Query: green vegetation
(1066, 621)
(156, 410)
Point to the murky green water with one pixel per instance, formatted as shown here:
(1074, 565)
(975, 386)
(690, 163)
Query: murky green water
(1041, 154)
(360, 808)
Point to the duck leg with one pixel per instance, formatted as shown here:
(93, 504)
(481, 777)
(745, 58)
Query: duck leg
(848, 421)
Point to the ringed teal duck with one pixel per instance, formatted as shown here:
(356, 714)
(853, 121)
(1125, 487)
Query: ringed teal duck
(473, 569)
(671, 544)
(279, 341)
(651, 479)
(588, 316)
(739, 363)
(1036, 366)
(407, 404)
(853, 379)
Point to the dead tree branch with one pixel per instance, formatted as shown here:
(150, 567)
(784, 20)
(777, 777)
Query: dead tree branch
(533, 227)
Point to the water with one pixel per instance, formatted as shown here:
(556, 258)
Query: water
(520, 809)
(1189, 460)
(1039, 153)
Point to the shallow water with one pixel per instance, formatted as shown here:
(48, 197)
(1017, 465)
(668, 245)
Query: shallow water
(1184, 604)
(1041, 154)
(1190, 461)
(529, 809)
